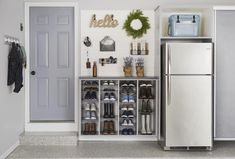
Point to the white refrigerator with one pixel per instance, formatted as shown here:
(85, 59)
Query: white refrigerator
(187, 95)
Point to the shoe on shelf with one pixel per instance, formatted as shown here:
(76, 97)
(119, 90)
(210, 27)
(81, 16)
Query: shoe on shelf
(143, 92)
(93, 95)
(106, 127)
(86, 129)
(131, 90)
(111, 127)
(112, 96)
(124, 122)
(130, 114)
(111, 110)
(124, 114)
(148, 107)
(94, 83)
(130, 131)
(93, 115)
(125, 131)
(131, 84)
(92, 128)
(124, 98)
(130, 107)
(143, 84)
(88, 95)
(93, 107)
(87, 83)
(105, 83)
(124, 107)
(106, 110)
(106, 96)
(149, 94)
(109, 89)
(131, 99)
(130, 123)
(124, 84)
(111, 83)
(87, 107)
(148, 84)
(87, 115)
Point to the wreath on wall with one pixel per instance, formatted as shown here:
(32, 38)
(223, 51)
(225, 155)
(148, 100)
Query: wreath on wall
(136, 24)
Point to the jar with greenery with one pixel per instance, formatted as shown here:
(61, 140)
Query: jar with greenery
(127, 68)
(139, 64)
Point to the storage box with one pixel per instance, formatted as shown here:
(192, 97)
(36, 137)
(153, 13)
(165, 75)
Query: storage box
(184, 25)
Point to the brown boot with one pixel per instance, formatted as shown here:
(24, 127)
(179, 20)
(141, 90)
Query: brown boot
(93, 128)
(87, 129)
(111, 127)
(106, 127)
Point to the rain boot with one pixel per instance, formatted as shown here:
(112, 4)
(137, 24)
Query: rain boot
(111, 114)
(149, 132)
(143, 130)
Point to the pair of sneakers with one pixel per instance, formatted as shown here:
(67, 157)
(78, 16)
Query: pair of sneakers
(90, 95)
(90, 107)
(91, 83)
(127, 114)
(109, 96)
(127, 107)
(128, 122)
(128, 98)
(108, 83)
(90, 115)
(129, 131)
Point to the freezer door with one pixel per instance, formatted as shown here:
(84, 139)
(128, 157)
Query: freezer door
(188, 58)
(188, 111)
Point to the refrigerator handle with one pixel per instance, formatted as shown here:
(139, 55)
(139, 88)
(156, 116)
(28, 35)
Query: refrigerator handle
(169, 76)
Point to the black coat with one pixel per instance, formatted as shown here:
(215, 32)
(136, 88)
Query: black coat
(15, 67)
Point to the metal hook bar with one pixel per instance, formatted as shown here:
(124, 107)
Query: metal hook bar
(9, 39)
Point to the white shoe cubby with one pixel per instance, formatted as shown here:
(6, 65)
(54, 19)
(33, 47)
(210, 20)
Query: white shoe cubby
(119, 108)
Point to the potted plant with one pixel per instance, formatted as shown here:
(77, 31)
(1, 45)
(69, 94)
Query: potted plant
(127, 68)
(139, 64)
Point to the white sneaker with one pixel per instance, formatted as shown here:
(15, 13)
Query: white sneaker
(93, 107)
(111, 83)
(124, 123)
(88, 115)
(130, 122)
(124, 108)
(87, 107)
(130, 107)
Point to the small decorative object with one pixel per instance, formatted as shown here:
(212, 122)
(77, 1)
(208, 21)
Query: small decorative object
(107, 44)
(109, 60)
(136, 24)
(128, 66)
(107, 22)
(87, 41)
(94, 70)
(88, 64)
(139, 48)
(139, 64)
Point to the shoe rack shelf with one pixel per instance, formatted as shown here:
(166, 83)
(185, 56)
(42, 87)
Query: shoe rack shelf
(119, 109)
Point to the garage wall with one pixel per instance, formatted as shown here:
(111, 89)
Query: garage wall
(11, 104)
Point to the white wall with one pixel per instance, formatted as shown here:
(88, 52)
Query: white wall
(121, 39)
(11, 104)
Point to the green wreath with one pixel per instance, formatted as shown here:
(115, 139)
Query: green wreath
(136, 15)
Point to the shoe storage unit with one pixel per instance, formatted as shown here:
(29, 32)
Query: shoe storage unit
(119, 109)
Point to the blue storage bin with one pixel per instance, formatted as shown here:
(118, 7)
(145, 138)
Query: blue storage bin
(184, 25)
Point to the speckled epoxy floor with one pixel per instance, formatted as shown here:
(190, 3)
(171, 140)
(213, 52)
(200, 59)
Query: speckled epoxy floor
(119, 150)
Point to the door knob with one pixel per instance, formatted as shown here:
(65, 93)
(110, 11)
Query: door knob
(33, 72)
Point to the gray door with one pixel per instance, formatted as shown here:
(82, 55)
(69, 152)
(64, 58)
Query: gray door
(51, 63)
(225, 74)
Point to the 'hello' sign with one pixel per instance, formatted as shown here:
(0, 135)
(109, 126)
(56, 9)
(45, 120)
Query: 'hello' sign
(107, 22)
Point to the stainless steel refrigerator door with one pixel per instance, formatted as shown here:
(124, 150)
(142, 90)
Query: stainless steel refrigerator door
(188, 111)
(188, 58)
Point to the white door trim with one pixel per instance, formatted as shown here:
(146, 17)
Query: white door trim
(64, 126)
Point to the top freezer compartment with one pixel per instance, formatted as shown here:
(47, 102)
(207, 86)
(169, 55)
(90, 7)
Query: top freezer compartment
(188, 58)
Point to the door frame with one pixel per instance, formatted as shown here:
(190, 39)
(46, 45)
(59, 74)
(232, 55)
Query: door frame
(52, 126)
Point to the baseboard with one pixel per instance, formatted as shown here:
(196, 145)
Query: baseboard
(10, 150)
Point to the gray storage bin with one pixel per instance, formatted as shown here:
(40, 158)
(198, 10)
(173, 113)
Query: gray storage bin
(184, 25)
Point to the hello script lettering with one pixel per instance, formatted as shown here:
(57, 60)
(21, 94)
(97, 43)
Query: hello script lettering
(107, 22)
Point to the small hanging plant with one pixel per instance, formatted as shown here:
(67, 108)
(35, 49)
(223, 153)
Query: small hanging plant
(136, 24)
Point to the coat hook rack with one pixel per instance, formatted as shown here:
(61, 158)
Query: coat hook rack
(9, 39)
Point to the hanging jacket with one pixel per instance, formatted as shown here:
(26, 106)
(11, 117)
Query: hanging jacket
(15, 67)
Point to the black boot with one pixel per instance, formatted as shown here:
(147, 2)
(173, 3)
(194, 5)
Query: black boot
(143, 92)
(149, 94)
(106, 114)
(111, 114)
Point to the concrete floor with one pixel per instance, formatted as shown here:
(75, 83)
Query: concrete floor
(119, 150)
